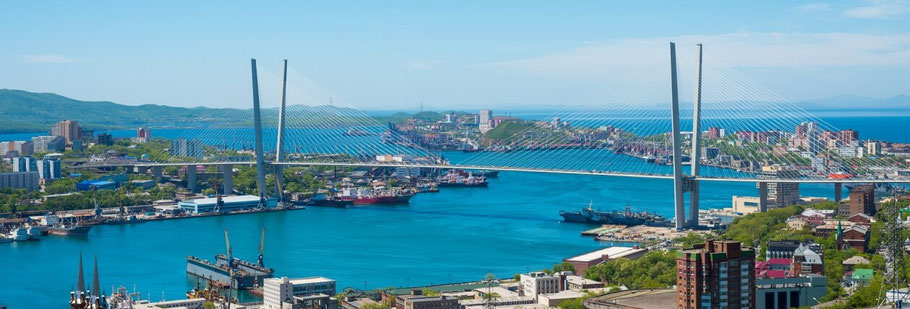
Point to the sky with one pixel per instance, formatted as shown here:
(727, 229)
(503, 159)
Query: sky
(446, 54)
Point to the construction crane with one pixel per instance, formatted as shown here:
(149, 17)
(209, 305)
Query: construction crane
(261, 243)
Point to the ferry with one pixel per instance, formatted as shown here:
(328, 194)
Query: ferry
(628, 217)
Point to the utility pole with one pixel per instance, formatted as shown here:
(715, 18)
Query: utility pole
(678, 197)
(893, 247)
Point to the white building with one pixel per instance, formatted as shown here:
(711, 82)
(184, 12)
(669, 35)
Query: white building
(182, 147)
(281, 292)
(486, 116)
(536, 283)
(229, 203)
(48, 143)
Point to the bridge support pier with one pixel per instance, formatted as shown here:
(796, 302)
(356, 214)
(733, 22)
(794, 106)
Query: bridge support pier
(838, 192)
(762, 196)
(228, 179)
(142, 170)
(692, 221)
(678, 180)
(191, 178)
(156, 173)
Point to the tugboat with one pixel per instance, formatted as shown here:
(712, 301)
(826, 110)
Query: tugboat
(628, 217)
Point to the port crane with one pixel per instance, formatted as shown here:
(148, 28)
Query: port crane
(230, 266)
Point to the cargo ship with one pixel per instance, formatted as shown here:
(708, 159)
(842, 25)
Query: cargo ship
(628, 217)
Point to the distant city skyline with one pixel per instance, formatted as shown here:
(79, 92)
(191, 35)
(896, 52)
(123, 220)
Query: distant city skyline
(465, 55)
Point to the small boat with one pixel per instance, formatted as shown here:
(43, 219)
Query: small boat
(3, 239)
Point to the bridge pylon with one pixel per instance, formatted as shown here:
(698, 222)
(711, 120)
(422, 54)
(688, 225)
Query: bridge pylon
(279, 149)
(695, 156)
(257, 122)
(683, 183)
(678, 177)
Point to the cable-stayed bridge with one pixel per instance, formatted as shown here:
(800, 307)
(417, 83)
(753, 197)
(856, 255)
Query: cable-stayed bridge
(644, 127)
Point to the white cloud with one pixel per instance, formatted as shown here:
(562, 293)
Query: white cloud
(424, 64)
(742, 49)
(50, 58)
(879, 9)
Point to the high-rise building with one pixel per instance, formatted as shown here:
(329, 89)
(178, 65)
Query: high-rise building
(716, 274)
(143, 135)
(873, 148)
(847, 136)
(486, 116)
(713, 132)
(781, 194)
(68, 129)
(862, 200)
(182, 147)
(49, 143)
(49, 169)
(24, 164)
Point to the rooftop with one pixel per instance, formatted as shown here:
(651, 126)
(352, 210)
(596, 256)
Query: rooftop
(227, 199)
(310, 280)
(856, 260)
(862, 273)
(611, 252)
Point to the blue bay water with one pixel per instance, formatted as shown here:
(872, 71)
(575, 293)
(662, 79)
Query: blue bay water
(454, 235)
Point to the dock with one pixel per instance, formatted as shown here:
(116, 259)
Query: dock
(606, 228)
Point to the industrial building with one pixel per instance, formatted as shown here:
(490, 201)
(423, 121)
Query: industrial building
(229, 203)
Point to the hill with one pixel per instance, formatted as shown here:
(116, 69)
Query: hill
(24, 111)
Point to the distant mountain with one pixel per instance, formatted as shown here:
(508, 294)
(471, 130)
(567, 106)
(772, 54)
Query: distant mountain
(23, 111)
(858, 102)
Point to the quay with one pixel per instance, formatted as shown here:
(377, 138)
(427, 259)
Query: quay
(606, 228)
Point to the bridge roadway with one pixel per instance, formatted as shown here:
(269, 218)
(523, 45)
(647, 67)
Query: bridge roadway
(501, 168)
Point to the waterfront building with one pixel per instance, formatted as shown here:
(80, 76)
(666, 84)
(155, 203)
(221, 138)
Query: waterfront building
(716, 274)
(709, 153)
(229, 203)
(19, 180)
(290, 293)
(585, 261)
(48, 143)
(536, 283)
(790, 292)
(143, 135)
(68, 129)
(194, 303)
(182, 147)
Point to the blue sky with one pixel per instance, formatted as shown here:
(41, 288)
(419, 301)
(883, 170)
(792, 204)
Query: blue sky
(465, 54)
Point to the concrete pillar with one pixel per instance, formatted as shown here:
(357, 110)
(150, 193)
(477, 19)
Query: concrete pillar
(693, 204)
(191, 178)
(156, 173)
(257, 125)
(228, 179)
(142, 170)
(838, 192)
(678, 194)
(762, 196)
